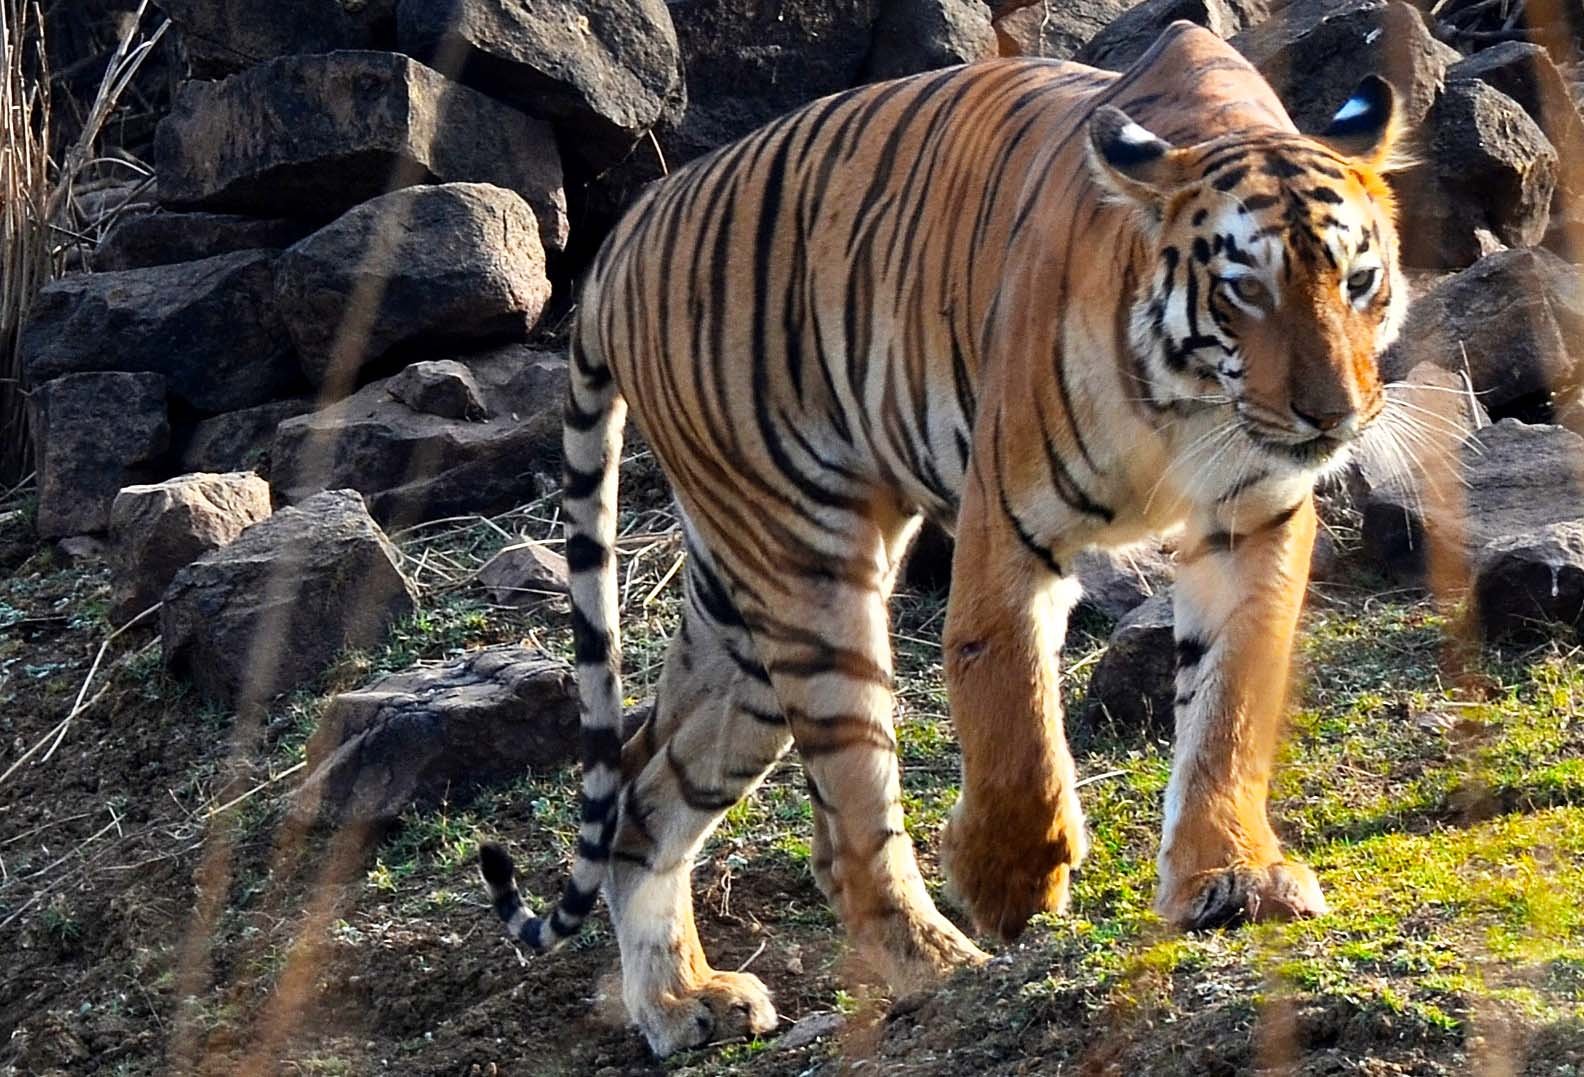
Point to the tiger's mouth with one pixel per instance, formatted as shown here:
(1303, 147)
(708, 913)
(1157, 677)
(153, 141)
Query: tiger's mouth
(1311, 452)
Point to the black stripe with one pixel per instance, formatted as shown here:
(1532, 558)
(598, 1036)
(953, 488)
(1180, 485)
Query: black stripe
(601, 747)
(577, 484)
(590, 646)
(584, 553)
(1190, 651)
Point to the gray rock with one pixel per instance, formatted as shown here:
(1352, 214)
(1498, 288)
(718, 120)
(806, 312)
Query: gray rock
(442, 387)
(1116, 582)
(524, 573)
(747, 64)
(209, 328)
(438, 734)
(922, 35)
(272, 610)
(1130, 35)
(1055, 30)
(1133, 686)
(810, 1029)
(156, 239)
(158, 529)
(460, 261)
(1316, 52)
(603, 71)
(1513, 321)
(1514, 479)
(239, 440)
(1524, 582)
(415, 466)
(1491, 174)
(1525, 73)
(221, 36)
(93, 434)
(312, 136)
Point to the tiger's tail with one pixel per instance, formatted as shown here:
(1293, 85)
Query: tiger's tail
(591, 444)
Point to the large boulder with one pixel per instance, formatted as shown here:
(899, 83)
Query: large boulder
(1054, 30)
(312, 136)
(221, 36)
(239, 440)
(1316, 52)
(412, 465)
(1513, 322)
(922, 35)
(158, 529)
(275, 608)
(209, 328)
(1490, 177)
(438, 734)
(1133, 687)
(1130, 35)
(1528, 581)
(1526, 73)
(749, 62)
(156, 239)
(1511, 479)
(603, 71)
(461, 261)
(93, 434)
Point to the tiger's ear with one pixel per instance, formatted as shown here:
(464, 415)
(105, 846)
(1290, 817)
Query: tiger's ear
(1367, 125)
(1131, 160)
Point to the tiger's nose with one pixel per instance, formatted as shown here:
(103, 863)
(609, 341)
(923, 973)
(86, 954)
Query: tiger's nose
(1327, 421)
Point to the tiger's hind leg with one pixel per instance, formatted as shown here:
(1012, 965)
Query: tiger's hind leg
(714, 735)
(825, 641)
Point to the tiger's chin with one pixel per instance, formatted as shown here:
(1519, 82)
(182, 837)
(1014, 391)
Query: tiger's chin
(1319, 457)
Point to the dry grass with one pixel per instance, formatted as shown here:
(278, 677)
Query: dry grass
(38, 222)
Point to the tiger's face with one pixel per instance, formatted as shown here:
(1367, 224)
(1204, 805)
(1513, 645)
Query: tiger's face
(1276, 283)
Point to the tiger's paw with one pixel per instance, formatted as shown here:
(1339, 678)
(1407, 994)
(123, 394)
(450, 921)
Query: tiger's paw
(1001, 876)
(1241, 893)
(726, 1006)
(914, 949)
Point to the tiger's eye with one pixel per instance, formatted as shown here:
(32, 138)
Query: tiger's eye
(1360, 281)
(1249, 290)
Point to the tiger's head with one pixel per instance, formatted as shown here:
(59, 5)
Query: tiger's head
(1276, 283)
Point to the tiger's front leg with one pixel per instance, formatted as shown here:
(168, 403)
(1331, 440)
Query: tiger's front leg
(1017, 831)
(1238, 595)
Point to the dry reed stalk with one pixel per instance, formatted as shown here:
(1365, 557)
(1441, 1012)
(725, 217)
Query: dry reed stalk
(36, 192)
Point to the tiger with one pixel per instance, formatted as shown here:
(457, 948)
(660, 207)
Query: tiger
(1048, 308)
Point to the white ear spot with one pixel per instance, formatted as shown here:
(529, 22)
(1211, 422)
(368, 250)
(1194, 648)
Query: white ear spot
(1351, 109)
(1136, 135)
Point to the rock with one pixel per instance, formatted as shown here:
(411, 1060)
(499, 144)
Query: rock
(221, 36)
(1316, 52)
(1525, 582)
(156, 530)
(1130, 34)
(93, 434)
(1133, 686)
(1516, 479)
(442, 387)
(523, 574)
(239, 440)
(1490, 170)
(747, 64)
(415, 466)
(273, 609)
(1116, 582)
(81, 548)
(810, 1029)
(460, 261)
(1514, 321)
(313, 136)
(602, 70)
(1525, 73)
(437, 734)
(1054, 30)
(209, 328)
(922, 35)
(156, 239)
